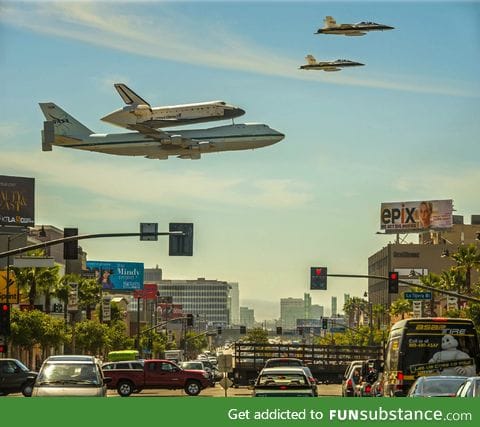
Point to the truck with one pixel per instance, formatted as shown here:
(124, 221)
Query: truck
(157, 374)
(173, 355)
(326, 362)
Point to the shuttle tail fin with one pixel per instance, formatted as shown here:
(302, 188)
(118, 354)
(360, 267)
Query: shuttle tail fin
(329, 22)
(63, 124)
(311, 59)
(129, 96)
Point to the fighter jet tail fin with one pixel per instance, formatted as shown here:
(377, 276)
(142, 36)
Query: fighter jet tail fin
(63, 124)
(311, 59)
(129, 96)
(329, 22)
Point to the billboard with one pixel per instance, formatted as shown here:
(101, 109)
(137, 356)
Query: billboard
(117, 276)
(415, 217)
(17, 204)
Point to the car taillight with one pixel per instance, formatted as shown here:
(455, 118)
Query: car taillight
(368, 388)
(283, 387)
(312, 380)
(350, 383)
(399, 382)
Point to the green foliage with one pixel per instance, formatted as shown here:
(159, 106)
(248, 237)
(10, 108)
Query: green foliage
(91, 337)
(256, 335)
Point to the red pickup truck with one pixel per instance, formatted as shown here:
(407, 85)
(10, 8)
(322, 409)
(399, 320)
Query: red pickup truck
(157, 373)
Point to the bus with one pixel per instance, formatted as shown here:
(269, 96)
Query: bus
(120, 355)
(428, 346)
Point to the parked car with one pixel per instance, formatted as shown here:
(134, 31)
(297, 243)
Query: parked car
(199, 365)
(470, 388)
(351, 378)
(291, 361)
(15, 377)
(436, 386)
(158, 374)
(282, 382)
(61, 376)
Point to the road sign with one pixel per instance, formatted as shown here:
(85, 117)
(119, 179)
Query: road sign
(73, 297)
(225, 383)
(225, 363)
(418, 295)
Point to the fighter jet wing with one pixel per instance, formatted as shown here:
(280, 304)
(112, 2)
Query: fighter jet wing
(163, 137)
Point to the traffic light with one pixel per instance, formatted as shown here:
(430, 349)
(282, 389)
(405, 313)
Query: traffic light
(181, 245)
(5, 319)
(318, 278)
(189, 319)
(243, 330)
(325, 323)
(3, 349)
(70, 249)
(219, 330)
(393, 282)
(279, 330)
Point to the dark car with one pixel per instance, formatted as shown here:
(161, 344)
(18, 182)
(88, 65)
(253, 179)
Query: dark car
(15, 377)
(470, 388)
(436, 386)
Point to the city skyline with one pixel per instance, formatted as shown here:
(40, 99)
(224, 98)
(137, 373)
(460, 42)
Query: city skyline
(403, 127)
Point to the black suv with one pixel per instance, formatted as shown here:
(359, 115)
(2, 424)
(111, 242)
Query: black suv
(15, 377)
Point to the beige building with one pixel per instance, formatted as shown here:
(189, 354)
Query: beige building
(431, 254)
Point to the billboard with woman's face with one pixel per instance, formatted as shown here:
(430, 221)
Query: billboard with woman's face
(117, 276)
(415, 217)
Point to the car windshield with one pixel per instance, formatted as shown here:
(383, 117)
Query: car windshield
(69, 373)
(22, 366)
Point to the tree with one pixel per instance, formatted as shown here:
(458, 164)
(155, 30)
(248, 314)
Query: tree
(434, 281)
(256, 335)
(35, 280)
(400, 307)
(90, 336)
(467, 258)
(352, 308)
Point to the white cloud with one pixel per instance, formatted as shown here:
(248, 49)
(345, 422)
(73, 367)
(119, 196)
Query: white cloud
(103, 24)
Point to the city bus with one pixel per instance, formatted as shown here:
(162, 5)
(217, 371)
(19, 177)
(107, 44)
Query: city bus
(428, 346)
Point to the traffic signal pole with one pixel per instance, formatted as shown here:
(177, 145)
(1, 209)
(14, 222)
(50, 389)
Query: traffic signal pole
(421, 286)
(81, 237)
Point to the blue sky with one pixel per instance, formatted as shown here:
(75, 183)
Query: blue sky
(403, 127)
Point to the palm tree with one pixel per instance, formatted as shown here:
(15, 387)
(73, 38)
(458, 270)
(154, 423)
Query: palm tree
(467, 259)
(434, 281)
(35, 280)
(400, 307)
(352, 308)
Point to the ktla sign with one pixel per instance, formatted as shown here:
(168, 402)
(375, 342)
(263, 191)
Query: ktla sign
(414, 217)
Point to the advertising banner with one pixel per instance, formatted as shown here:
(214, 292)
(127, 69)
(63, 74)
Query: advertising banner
(8, 294)
(117, 276)
(415, 217)
(17, 204)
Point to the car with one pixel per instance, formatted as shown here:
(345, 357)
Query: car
(291, 361)
(470, 388)
(282, 382)
(123, 364)
(436, 386)
(15, 377)
(368, 376)
(350, 379)
(72, 375)
(199, 365)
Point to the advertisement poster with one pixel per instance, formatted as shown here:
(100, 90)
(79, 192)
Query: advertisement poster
(17, 201)
(117, 276)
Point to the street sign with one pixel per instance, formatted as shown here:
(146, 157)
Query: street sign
(225, 383)
(73, 297)
(418, 295)
(106, 309)
(417, 308)
(225, 363)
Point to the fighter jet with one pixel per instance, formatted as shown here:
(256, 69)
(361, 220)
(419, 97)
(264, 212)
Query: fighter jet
(313, 64)
(139, 112)
(62, 130)
(359, 29)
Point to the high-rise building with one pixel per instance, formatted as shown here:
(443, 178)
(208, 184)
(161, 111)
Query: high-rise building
(205, 299)
(247, 317)
(234, 303)
(152, 275)
(291, 309)
(316, 311)
(334, 307)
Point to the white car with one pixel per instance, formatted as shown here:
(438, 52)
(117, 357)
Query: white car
(282, 382)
